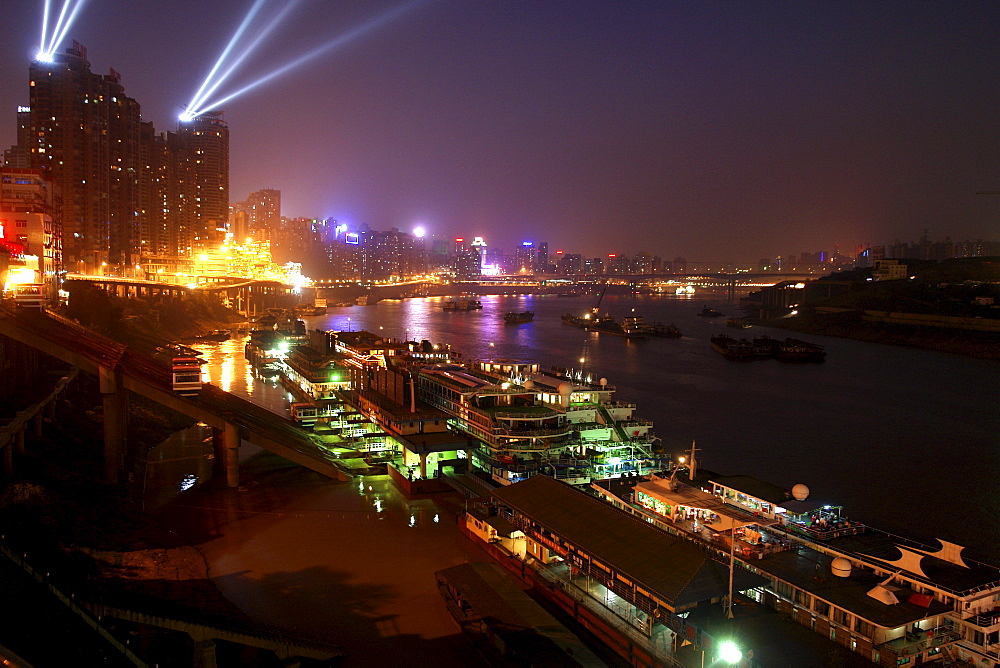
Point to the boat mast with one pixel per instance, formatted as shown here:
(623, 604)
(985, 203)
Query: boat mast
(693, 462)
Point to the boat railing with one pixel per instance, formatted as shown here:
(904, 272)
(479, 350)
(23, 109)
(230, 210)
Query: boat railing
(636, 423)
(503, 413)
(529, 466)
(619, 404)
(828, 532)
(589, 426)
(913, 643)
(521, 433)
(984, 620)
(563, 463)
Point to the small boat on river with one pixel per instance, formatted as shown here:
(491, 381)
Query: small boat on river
(463, 305)
(514, 318)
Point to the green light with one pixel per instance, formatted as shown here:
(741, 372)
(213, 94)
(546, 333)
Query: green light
(729, 652)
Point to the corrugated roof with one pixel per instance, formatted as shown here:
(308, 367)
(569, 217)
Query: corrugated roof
(759, 489)
(673, 569)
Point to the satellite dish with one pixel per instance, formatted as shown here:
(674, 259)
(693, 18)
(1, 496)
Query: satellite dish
(529, 384)
(604, 382)
(800, 492)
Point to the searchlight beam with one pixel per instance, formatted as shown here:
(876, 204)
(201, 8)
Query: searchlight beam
(50, 41)
(225, 53)
(279, 17)
(339, 41)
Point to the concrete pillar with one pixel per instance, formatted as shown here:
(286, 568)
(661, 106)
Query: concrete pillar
(36, 424)
(7, 452)
(115, 410)
(219, 452)
(423, 464)
(19, 439)
(204, 654)
(231, 438)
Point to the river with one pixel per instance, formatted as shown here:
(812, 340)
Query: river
(906, 440)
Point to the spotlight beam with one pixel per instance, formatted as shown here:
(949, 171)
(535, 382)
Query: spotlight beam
(342, 40)
(225, 52)
(49, 46)
(61, 35)
(45, 24)
(246, 52)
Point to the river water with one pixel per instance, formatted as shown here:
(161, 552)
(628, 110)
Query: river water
(905, 440)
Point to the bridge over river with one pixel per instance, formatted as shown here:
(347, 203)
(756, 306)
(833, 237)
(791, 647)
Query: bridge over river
(121, 370)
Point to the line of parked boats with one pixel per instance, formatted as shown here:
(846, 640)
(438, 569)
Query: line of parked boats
(764, 347)
(631, 327)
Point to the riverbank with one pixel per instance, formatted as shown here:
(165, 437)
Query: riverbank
(849, 325)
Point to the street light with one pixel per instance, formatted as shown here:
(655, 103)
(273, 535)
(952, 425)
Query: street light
(729, 652)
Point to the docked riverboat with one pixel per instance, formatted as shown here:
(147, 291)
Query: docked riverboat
(575, 321)
(515, 318)
(463, 305)
(608, 325)
(795, 350)
(893, 600)
(735, 350)
(524, 422)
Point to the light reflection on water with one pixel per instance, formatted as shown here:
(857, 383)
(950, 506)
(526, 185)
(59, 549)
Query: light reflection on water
(863, 430)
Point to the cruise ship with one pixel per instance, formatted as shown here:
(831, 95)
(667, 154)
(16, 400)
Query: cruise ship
(523, 422)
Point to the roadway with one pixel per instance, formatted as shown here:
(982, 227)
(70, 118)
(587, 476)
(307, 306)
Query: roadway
(120, 367)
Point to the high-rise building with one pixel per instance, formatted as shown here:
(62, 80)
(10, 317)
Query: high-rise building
(263, 209)
(205, 140)
(17, 155)
(166, 200)
(84, 130)
(542, 258)
(392, 255)
(526, 258)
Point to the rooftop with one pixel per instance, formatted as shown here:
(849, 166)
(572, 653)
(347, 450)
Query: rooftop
(759, 489)
(810, 570)
(672, 569)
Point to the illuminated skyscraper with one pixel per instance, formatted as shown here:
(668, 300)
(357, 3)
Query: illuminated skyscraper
(85, 132)
(166, 200)
(206, 141)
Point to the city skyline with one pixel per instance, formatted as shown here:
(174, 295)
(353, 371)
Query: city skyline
(719, 133)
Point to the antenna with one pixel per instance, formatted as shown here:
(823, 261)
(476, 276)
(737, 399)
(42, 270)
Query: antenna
(693, 465)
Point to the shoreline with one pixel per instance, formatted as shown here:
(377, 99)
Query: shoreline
(976, 345)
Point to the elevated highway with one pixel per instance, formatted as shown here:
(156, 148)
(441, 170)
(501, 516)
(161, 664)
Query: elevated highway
(248, 296)
(120, 370)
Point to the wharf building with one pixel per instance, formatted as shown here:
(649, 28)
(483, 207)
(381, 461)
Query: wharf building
(631, 584)
(889, 599)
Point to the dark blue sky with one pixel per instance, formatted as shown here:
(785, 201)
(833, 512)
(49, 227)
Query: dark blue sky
(716, 131)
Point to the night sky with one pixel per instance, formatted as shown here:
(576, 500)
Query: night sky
(716, 131)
